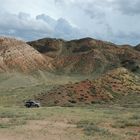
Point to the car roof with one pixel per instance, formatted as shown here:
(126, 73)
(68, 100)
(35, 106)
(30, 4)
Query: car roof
(30, 101)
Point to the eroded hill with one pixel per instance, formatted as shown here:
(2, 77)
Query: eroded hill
(118, 82)
(84, 56)
(87, 56)
(16, 55)
(112, 70)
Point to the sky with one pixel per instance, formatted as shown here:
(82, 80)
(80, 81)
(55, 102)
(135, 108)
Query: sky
(117, 21)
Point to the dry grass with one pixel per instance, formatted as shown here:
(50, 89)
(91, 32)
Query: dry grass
(64, 123)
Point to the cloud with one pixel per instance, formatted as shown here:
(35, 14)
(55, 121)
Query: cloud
(127, 38)
(112, 20)
(64, 29)
(61, 27)
(24, 26)
(46, 19)
(94, 14)
(127, 7)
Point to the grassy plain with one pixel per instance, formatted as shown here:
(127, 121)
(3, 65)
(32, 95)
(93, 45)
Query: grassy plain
(113, 121)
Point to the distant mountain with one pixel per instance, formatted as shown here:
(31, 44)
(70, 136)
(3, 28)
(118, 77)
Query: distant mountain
(87, 55)
(83, 56)
(137, 47)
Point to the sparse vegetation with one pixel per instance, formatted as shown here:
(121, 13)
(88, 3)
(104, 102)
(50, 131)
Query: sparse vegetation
(92, 129)
(96, 103)
(12, 123)
(93, 90)
(91, 122)
(126, 123)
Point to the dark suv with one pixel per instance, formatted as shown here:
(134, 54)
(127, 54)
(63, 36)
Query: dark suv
(32, 103)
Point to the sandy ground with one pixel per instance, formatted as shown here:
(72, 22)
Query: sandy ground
(47, 130)
(41, 130)
(56, 123)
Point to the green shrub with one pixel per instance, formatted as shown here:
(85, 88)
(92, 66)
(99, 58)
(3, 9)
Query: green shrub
(90, 128)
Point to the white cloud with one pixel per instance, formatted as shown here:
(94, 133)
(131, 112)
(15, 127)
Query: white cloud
(128, 7)
(102, 19)
(29, 28)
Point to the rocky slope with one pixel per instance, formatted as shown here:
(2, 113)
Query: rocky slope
(137, 47)
(113, 70)
(86, 56)
(17, 55)
(118, 82)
